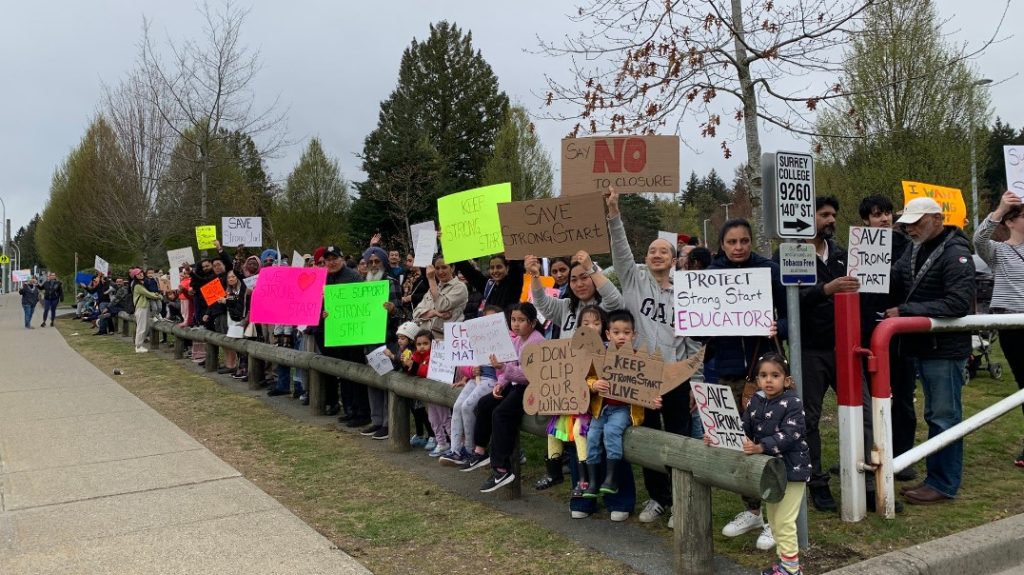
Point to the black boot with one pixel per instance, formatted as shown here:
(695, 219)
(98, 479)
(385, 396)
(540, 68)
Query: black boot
(554, 474)
(591, 491)
(610, 486)
(583, 484)
(821, 498)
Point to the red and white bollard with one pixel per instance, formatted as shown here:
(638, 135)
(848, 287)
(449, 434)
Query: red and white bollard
(849, 391)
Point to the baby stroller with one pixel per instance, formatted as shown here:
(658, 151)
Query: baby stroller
(981, 341)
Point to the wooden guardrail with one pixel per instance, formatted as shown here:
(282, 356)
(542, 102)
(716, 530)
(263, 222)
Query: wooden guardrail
(694, 467)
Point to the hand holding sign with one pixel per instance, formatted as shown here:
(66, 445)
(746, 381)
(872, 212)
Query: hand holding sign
(719, 416)
(213, 291)
(1014, 158)
(557, 371)
(206, 237)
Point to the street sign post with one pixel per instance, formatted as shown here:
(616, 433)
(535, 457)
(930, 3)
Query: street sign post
(798, 264)
(794, 192)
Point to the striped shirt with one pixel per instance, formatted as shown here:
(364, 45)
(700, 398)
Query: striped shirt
(1007, 267)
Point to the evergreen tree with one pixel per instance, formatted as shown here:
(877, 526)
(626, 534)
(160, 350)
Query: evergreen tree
(520, 158)
(314, 206)
(26, 241)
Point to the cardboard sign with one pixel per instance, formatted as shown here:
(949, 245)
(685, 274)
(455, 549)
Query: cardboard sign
(633, 164)
(165, 283)
(489, 335)
(557, 371)
(638, 378)
(238, 231)
(458, 347)
(356, 313)
(723, 302)
(469, 222)
(379, 361)
(102, 266)
(288, 296)
(870, 258)
(1014, 159)
(440, 369)
(554, 227)
(205, 236)
(718, 414)
(954, 209)
(213, 291)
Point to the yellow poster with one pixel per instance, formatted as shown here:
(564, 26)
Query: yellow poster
(205, 236)
(951, 199)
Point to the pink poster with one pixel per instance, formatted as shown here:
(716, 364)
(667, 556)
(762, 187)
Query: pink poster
(288, 296)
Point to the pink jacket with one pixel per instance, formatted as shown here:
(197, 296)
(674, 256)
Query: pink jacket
(512, 373)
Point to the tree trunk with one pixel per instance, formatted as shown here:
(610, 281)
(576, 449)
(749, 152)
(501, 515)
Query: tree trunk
(752, 137)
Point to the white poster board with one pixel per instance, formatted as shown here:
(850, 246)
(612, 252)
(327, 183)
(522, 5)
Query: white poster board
(180, 256)
(869, 258)
(21, 275)
(423, 246)
(718, 414)
(439, 368)
(297, 261)
(723, 302)
(490, 335)
(458, 347)
(1014, 157)
(379, 361)
(250, 282)
(102, 266)
(670, 237)
(241, 231)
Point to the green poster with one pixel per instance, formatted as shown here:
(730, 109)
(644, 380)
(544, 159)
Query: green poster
(470, 227)
(355, 313)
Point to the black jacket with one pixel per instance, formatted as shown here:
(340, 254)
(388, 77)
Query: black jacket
(734, 356)
(53, 290)
(946, 290)
(777, 425)
(502, 294)
(344, 276)
(817, 311)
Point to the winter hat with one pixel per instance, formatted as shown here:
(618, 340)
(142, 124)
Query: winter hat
(409, 330)
(269, 253)
(134, 272)
(376, 251)
(318, 254)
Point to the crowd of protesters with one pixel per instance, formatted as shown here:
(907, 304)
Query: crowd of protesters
(932, 275)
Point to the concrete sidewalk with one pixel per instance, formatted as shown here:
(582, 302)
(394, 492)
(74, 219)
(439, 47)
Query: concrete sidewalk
(94, 481)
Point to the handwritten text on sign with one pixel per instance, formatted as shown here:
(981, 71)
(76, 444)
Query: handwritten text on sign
(870, 258)
(379, 361)
(718, 414)
(632, 164)
(288, 296)
(101, 266)
(1014, 158)
(355, 313)
(489, 335)
(632, 377)
(954, 210)
(469, 222)
(723, 302)
(456, 339)
(554, 227)
(237, 231)
(557, 371)
(206, 236)
(213, 291)
(440, 369)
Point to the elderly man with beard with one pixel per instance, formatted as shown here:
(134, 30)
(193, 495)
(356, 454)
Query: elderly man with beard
(377, 269)
(818, 337)
(935, 278)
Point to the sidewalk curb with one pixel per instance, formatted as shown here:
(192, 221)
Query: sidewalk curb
(990, 548)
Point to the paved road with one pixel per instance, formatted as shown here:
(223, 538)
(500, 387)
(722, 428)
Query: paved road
(93, 481)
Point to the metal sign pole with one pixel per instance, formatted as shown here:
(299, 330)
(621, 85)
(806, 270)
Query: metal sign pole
(796, 370)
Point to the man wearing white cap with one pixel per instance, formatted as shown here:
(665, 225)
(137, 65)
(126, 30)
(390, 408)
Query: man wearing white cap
(935, 278)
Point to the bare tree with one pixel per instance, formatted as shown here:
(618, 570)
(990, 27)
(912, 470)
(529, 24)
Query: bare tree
(647, 66)
(205, 93)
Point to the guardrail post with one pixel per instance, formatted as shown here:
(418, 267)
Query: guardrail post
(125, 327)
(255, 371)
(154, 337)
(179, 348)
(398, 422)
(211, 356)
(693, 542)
(315, 389)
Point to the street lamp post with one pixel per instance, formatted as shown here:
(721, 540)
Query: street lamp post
(706, 220)
(726, 206)
(6, 267)
(974, 159)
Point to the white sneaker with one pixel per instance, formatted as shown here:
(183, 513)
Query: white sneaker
(672, 521)
(580, 515)
(141, 350)
(652, 510)
(745, 522)
(619, 515)
(766, 540)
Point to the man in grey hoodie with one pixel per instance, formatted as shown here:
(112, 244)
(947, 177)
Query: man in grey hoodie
(649, 295)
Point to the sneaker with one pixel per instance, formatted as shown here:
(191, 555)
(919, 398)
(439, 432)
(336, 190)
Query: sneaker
(618, 516)
(368, 431)
(744, 522)
(652, 510)
(497, 480)
(452, 459)
(476, 461)
(579, 514)
(225, 370)
(439, 450)
(431, 444)
(381, 433)
(672, 521)
(141, 350)
(237, 375)
(1019, 462)
(766, 540)
(417, 441)
(522, 458)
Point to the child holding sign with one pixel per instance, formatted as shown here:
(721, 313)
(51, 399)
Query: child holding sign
(402, 351)
(609, 417)
(774, 425)
(417, 365)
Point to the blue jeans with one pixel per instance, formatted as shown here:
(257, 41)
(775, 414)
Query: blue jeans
(50, 307)
(607, 430)
(284, 378)
(29, 310)
(942, 381)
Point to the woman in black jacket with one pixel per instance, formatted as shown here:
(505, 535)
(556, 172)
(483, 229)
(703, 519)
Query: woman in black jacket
(503, 284)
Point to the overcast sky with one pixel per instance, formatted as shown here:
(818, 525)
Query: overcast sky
(331, 63)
